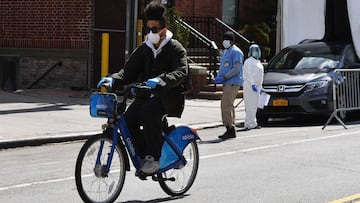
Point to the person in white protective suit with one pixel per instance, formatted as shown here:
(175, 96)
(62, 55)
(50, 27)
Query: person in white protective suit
(253, 73)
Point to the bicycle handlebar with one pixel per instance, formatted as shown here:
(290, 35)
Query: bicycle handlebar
(126, 91)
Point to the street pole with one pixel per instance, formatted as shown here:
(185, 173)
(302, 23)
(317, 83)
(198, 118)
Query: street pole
(104, 56)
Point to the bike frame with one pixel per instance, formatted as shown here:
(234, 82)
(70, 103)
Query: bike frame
(184, 135)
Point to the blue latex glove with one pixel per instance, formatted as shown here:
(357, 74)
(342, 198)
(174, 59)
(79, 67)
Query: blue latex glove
(104, 80)
(152, 82)
(219, 80)
(254, 88)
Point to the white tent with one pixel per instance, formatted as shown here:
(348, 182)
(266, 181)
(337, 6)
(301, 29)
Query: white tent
(354, 18)
(305, 19)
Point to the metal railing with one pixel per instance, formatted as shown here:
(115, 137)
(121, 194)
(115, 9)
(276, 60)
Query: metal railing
(44, 74)
(240, 40)
(202, 48)
(215, 28)
(205, 34)
(346, 94)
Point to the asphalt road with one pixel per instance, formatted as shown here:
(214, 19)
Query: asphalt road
(273, 164)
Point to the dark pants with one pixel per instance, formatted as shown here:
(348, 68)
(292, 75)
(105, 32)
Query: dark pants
(144, 120)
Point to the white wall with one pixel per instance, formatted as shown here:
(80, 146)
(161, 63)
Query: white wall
(305, 19)
(301, 19)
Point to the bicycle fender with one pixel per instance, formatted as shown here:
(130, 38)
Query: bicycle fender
(180, 137)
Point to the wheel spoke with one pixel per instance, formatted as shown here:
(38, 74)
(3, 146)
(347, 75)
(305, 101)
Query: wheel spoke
(92, 183)
(185, 176)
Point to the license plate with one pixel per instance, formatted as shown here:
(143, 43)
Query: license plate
(280, 102)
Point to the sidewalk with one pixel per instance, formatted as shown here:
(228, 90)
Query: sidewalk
(38, 116)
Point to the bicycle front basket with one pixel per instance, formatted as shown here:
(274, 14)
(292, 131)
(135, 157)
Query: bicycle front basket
(103, 105)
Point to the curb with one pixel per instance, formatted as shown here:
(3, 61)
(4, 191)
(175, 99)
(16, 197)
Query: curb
(37, 141)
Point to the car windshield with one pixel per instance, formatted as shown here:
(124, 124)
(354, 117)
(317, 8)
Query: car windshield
(307, 58)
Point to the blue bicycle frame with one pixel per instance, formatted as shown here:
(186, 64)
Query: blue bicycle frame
(172, 149)
(171, 153)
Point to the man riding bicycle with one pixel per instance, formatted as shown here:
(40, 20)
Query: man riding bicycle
(161, 63)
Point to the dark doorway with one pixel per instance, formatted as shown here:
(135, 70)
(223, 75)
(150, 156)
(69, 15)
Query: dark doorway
(110, 17)
(9, 71)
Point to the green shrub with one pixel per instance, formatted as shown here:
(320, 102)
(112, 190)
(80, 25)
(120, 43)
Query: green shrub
(180, 33)
(260, 34)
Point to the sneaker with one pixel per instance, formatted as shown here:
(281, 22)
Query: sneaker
(247, 128)
(230, 133)
(150, 166)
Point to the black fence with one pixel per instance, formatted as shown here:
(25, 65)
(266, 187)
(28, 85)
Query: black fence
(214, 29)
(205, 41)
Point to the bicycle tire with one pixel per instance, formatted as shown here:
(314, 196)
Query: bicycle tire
(183, 180)
(93, 187)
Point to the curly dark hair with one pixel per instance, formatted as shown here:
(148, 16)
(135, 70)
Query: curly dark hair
(155, 11)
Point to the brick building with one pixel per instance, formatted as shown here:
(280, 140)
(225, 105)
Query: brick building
(199, 8)
(35, 35)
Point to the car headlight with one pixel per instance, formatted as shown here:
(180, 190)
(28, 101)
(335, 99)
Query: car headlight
(315, 85)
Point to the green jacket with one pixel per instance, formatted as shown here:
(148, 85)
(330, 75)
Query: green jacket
(170, 65)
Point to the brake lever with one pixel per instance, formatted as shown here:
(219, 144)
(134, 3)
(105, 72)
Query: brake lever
(108, 87)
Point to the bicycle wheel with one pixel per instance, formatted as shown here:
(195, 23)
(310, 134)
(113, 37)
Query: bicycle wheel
(185, 175)
(93, 184)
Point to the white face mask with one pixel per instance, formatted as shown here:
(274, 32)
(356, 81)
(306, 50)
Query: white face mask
(226, 44)
(153, 37)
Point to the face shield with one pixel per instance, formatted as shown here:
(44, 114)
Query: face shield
(254, 51)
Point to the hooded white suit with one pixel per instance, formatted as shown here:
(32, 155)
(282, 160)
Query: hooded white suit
(253, 73)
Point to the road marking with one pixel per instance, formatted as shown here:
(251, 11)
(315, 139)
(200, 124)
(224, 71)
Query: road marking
(349, 199)
(279, 145)
(266, 134)
(203, 157)
(35, 183)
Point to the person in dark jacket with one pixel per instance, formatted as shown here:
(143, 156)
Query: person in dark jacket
(161, 63)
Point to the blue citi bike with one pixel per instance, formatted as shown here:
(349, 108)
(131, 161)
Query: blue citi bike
(104, 158)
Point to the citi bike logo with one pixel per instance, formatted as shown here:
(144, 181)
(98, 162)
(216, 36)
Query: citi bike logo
(188, 137)
(131, 146)
(101, 106)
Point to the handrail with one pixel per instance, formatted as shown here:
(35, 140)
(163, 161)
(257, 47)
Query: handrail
(213, 48)
(43, 75)
(197, 34)
(248, 42)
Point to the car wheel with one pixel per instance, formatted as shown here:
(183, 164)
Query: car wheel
(261, 119)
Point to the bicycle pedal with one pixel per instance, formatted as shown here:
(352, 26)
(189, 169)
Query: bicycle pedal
(141, 175)
(157, 178)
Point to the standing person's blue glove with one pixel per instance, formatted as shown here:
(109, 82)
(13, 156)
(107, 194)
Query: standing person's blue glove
(219, 80)
(105, 80)
(153, 82)
(254, 88)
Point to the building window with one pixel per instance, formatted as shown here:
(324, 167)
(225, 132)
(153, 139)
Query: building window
(230, 11)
